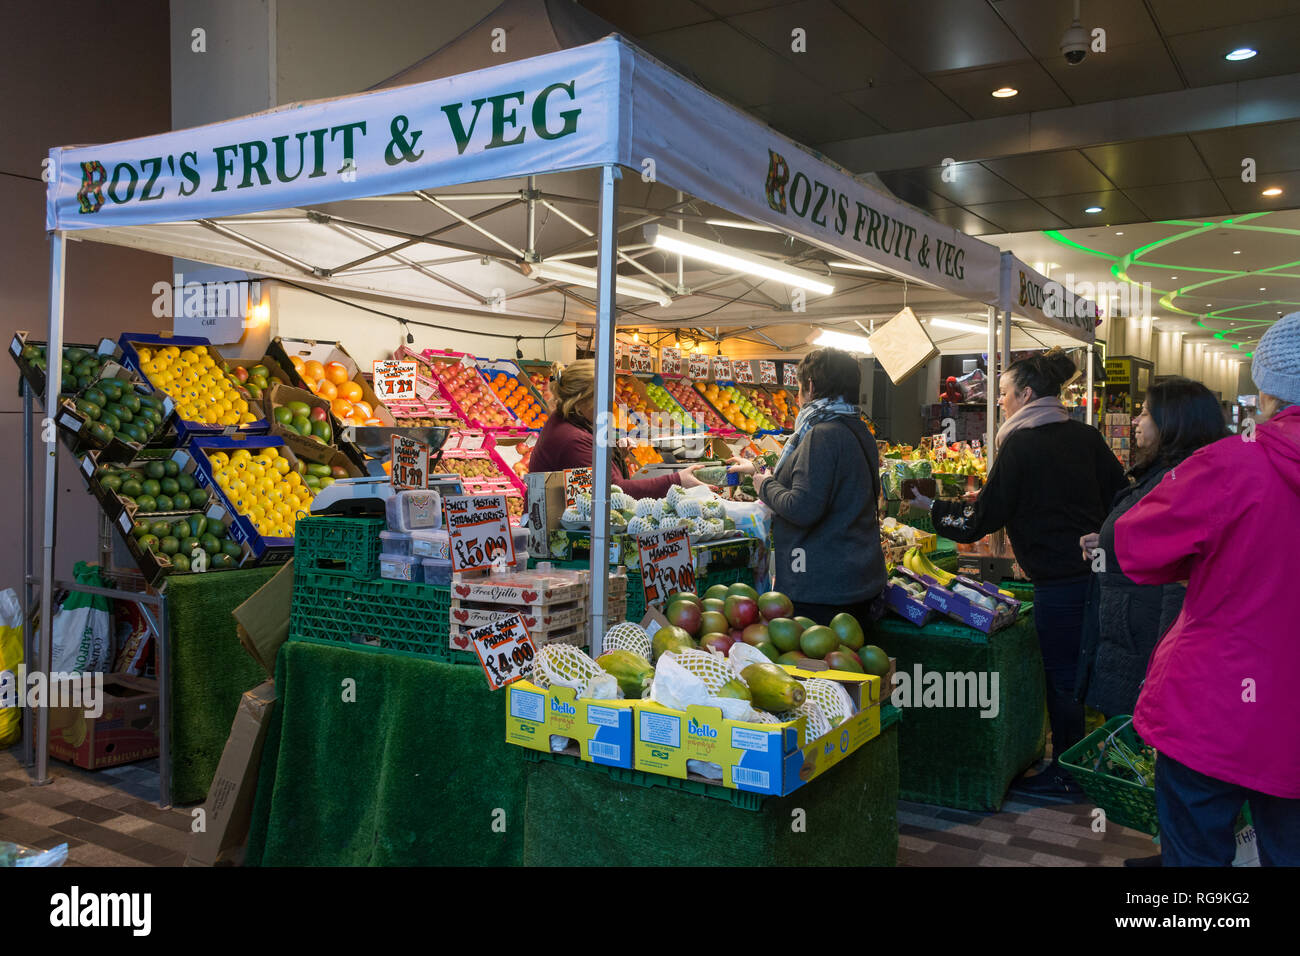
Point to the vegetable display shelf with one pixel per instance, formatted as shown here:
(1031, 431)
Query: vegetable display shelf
(966, 754)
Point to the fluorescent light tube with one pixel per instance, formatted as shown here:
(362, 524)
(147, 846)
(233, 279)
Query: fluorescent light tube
(583, 276)
(960, 325)
(715, 253)
(829, 338)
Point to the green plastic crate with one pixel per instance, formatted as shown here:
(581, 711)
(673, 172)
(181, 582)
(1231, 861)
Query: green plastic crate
(348, 547)
(1125, 802)
(398, 616)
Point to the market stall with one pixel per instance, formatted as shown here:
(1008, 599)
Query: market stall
(232, 194)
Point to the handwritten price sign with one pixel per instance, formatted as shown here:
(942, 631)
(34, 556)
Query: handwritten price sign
(478, 531)
(767, 372)
(504, 649)
(743, 372)
(638, 358)
(698, 365)
(721, 370)
(575, 480)
(410, 463)
(790, 378)
(394, 379)
(670, 361)
(667, 566)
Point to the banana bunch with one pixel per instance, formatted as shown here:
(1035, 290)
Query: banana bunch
(919, 564)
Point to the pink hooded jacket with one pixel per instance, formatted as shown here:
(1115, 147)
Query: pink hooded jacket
(1221, 687)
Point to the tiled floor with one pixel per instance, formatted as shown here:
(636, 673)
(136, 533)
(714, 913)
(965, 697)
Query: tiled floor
(108, 818)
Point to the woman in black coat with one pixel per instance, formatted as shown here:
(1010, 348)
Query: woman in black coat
(1125, 621)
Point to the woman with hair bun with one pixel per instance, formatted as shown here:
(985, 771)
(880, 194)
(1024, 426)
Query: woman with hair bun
(1052, 482)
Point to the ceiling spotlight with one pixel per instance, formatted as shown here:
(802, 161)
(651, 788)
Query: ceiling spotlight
(1005, 92)
(1119, 233)
(1236, 252)
(1261, 288)
(1091, 210)
(1241, 53)
(1272, 191)
(1173, 277)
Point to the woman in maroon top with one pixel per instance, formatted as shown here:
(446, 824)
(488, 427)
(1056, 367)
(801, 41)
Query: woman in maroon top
(566, 440)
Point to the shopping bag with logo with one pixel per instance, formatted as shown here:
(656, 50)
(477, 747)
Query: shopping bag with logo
(81, 631)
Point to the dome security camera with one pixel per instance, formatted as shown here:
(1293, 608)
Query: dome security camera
(1074, 44)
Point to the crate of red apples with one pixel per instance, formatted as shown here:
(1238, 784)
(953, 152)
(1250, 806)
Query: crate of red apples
(466, 391)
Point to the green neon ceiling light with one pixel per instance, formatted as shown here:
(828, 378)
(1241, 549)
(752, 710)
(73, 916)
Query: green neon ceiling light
(1168, 297)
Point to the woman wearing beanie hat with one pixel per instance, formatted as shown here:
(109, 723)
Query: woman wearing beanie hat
(1219, 700)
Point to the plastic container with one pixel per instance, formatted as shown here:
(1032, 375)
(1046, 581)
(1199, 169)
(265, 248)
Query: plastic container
(437, 571)
(395, 542)
(401, 567)
(414, 510)
(431, 544)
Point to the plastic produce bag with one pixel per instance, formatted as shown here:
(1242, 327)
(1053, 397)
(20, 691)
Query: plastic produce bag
(81, 627)
(13, 854)
(676, 687)
(753, 518)
(11, 655)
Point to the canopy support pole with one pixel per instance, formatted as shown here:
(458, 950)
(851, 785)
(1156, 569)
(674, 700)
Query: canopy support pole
(606, 270)
(1088, 388)
(991, 391)
(1006, 340)
(681, 227)
(50, 438)
(532, 219)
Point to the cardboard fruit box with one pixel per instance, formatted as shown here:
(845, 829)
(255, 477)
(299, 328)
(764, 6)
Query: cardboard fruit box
(758, 757)
(282, 351)
(124, 732)
(35, 375)
(129, 344)
(265, 549)
(77, 419)
(597, 731)
(964, 609)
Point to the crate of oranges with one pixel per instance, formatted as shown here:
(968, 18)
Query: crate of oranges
(512, 387)
(265, 487)
(326, 370)
(209, 400)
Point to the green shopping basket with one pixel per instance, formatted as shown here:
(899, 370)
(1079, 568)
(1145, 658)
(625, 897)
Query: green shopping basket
(1127, 802)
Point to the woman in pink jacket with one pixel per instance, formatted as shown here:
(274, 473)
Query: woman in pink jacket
(1219, 703)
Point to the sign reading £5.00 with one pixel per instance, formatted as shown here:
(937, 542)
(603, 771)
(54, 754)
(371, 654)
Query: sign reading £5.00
(478, 531)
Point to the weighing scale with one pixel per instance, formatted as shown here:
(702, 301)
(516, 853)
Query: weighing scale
(368, 496)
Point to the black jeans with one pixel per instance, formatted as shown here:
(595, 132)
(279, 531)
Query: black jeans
(1058, 615)
(1197, 814)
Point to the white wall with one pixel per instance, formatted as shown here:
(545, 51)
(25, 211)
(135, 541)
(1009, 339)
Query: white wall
(304, 315)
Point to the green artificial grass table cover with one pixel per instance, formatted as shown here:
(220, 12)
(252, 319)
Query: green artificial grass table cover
(210, 671)
(578, 816)
(951, 756)
(414, 772)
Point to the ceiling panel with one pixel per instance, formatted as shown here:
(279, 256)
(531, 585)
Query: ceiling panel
(1186, 16)
(972, 183)
(964, 220)
(1115, 206)
(910, 191)
(1180, 200)
(642, 18)
(732, 65)
(937, 35)
(1200, 55)
(1148, 162)
(1050, 174)
(914, 105)
(1039, 23)
(1135, 69)
(820, 120)
(1020, 215)
(1248, 197)
(840, 53)
(730, 8)
(1275, 147)
(972, 89)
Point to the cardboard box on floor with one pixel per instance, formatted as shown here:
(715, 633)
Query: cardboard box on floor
(262, 621)
(228, 811)
(125, 731)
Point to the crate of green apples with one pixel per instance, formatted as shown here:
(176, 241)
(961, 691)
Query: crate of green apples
(299, 417)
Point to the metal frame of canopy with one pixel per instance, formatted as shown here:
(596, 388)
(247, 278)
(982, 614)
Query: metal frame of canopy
(640, 112)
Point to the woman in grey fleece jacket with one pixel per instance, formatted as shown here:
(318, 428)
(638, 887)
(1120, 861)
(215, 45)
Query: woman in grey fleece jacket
(826, 533)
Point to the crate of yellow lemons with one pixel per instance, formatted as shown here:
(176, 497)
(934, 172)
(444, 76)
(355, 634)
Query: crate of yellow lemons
(194, 378)
(263, 485)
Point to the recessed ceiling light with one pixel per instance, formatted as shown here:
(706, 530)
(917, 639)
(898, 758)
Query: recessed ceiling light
(1093, 209)
(1261, 288)
(1119, 233)
(1272, 191)
(1209, 305)
(1173, 277)
(1005, 92)
(1241, 53)
(1236, 252)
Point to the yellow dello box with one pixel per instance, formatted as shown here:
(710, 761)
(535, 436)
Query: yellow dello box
(598, 731)
(761, 758)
